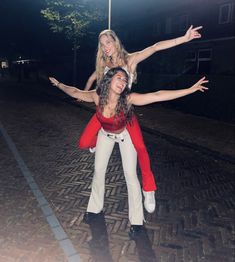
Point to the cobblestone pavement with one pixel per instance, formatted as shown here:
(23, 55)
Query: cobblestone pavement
(194, 219)
(24, 235)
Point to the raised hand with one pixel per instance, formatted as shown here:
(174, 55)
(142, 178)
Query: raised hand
(192, 33)
(54, 81)
(199, 85)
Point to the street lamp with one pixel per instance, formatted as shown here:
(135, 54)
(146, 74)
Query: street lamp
(110, 4)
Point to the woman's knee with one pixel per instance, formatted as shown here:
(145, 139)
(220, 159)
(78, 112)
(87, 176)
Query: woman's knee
(140, 148)
(132, 180)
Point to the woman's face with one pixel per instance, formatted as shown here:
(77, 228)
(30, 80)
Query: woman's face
(107, 45)
(118, 82)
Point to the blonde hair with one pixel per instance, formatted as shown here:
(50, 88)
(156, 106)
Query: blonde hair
(102, 59)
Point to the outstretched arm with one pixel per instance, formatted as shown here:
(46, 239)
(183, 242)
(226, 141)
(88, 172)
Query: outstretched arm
(165, 95)
(90, 81)
(87, 96)
(137, 57)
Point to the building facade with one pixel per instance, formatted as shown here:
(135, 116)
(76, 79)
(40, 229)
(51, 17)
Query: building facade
(213, 55)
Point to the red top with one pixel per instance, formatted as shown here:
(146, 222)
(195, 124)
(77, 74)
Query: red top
(111, 124)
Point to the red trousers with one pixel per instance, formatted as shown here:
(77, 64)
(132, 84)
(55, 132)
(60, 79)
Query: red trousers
(89, 137)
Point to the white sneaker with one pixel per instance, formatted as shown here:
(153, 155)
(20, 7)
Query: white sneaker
(149, 201)
(92, 149)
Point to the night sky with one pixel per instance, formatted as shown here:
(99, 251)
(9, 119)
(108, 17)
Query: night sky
(24, 32)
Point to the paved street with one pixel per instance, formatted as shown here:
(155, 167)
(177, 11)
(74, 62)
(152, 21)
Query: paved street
(193, 221)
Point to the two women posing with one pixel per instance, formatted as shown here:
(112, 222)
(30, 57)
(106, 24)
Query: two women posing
(114, 112)
(115, 121)
(111, 53)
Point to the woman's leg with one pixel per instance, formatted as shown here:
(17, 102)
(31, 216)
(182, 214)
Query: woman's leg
(89, 135)
(143, 157)
(129, 162)
(104, 148)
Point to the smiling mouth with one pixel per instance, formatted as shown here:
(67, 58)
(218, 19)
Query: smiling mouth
(120, 88)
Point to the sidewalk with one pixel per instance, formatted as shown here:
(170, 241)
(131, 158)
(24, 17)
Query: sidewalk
(216, 136)
(208, 135)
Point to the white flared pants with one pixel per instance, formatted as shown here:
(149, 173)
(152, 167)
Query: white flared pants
(104, 148)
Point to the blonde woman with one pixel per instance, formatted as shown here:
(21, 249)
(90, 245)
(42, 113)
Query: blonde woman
(111, 54)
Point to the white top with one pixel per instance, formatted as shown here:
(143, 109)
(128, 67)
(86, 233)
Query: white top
(131, 75)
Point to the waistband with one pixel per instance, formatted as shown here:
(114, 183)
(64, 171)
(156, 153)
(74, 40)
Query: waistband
(117, 137)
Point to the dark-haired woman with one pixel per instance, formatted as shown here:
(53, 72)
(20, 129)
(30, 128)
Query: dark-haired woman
(114, 110)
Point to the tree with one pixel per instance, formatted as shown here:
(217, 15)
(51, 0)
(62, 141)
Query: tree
(72, 18)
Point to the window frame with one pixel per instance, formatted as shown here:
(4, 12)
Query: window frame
(230, 15)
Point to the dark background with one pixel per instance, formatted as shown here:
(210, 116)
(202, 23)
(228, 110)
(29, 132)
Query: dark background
(25, 34)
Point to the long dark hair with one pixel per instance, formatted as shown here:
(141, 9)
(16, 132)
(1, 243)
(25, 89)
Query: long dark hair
(103, 92)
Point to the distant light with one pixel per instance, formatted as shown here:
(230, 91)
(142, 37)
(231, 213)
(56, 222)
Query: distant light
(4, 64)
(24, 61)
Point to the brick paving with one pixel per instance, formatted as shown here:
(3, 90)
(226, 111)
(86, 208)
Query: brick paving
(194, 219)
(24, 233)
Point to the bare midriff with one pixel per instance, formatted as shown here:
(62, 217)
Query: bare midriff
(116, 131)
